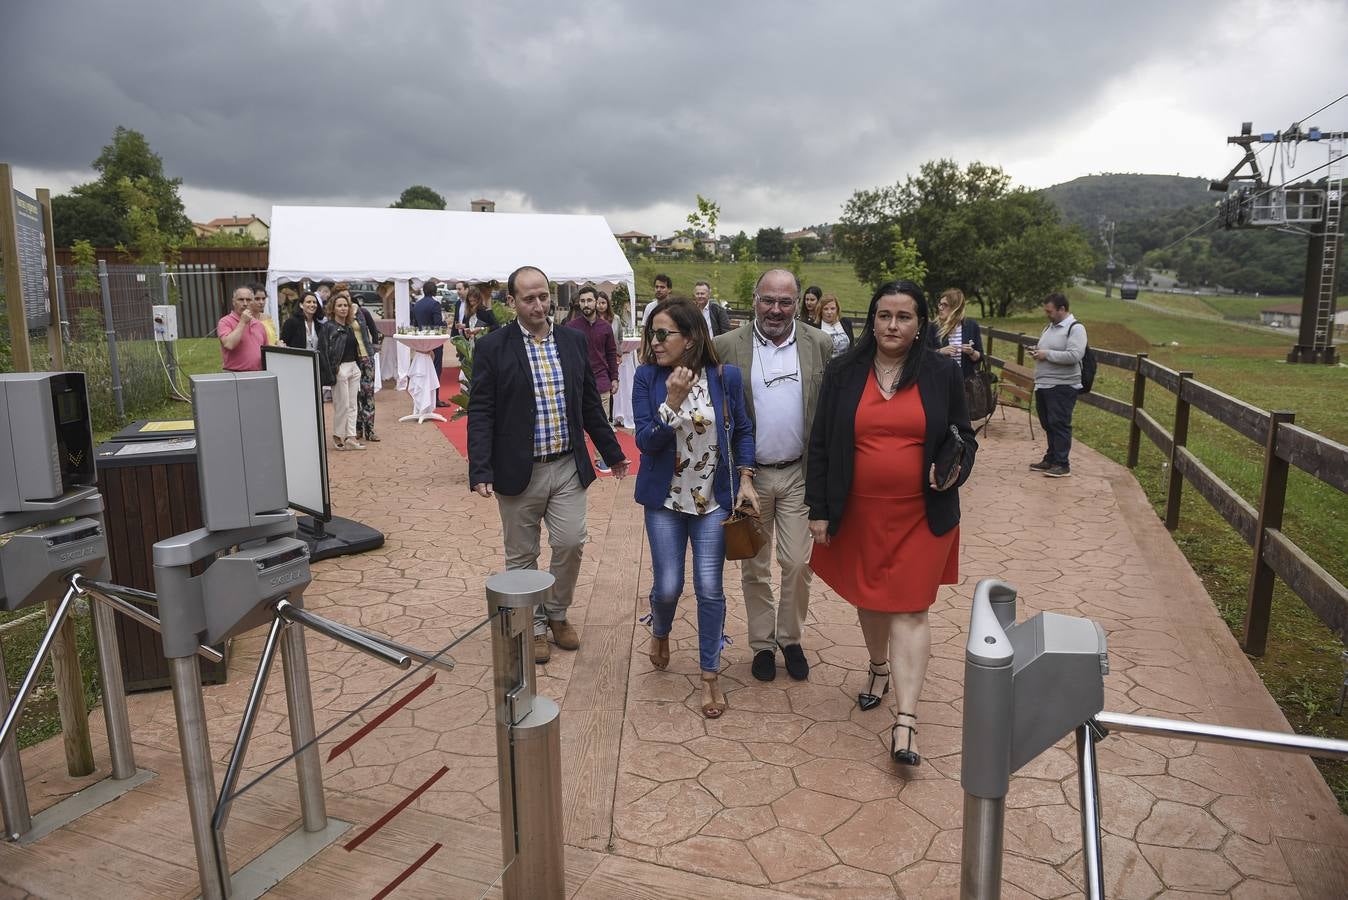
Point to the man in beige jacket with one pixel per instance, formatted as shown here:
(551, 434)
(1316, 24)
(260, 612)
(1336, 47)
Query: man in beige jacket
(783, 361)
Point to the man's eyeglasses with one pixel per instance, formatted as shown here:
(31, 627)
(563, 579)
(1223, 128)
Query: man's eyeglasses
(660, 335)
(779, 302)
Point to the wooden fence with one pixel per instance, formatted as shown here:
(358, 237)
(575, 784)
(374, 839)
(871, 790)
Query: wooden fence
(1285, 444)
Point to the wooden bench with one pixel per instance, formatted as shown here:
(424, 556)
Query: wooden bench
(1015, 388)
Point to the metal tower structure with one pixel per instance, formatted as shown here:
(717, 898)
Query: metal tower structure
(1318, 213)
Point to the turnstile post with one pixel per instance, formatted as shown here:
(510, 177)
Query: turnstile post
(528, 743)
(114, 691)
(300, 705)
(198, 775)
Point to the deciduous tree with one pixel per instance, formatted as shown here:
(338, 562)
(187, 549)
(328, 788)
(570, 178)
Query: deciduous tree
(418, 196)
(98, 212)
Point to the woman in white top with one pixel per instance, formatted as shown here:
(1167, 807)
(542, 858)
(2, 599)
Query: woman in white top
(696, 443)
(832, 323)
(956, 335)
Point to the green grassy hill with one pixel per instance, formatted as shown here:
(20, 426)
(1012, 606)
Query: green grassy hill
(1125, 197)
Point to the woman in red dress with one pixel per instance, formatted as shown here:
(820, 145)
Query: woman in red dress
(886, 533)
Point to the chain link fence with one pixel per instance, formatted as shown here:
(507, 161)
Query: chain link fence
(109, 325)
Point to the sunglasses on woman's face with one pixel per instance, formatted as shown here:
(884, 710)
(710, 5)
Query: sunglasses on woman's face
(660, 335)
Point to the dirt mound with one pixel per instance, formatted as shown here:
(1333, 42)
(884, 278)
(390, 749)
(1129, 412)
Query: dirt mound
(1117, 337)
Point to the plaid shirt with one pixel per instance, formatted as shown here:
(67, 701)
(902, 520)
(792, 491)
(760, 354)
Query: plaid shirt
(551, 434)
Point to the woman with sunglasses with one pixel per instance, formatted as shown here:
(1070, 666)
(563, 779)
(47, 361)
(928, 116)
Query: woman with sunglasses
(886, 531)
(695, 440)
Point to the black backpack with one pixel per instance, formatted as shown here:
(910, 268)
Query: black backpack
(1088, 365)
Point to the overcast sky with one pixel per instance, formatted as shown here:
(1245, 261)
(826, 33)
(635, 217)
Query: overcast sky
(777, 111)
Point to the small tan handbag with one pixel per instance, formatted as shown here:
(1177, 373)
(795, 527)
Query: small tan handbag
(743, 539)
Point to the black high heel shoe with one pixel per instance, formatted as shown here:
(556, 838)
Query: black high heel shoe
(870, 699)
(907, 756)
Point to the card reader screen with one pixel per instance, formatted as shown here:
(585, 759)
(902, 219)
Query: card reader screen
(69, 408)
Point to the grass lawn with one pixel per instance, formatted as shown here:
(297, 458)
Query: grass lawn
(1301, 666)
(834, 277)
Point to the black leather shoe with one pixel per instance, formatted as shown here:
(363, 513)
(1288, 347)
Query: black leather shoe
(765, 665)
(796, 664)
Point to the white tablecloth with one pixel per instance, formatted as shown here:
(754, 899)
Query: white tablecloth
(420, 380)
(627, 373)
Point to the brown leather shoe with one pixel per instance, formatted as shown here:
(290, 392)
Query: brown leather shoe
(542, 652)
(564, 634)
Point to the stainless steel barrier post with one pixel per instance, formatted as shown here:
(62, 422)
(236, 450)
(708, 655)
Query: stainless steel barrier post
(1088, 781)
(528, 743)
(300, 705)
(198, 775)
(985, 767)
(114, 691)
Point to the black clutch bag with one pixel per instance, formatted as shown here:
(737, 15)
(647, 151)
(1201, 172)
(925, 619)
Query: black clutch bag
(949, 455)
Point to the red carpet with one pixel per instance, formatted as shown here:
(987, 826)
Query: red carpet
(457, 429)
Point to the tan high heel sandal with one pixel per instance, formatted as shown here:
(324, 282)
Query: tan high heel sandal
(713, 708)
(659, 652)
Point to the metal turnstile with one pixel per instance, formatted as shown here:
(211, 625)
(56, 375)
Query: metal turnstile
(1028, 685)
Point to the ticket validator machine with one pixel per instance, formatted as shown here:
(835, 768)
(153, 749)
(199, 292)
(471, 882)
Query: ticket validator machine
(51, 519)
(54, 551)
(256, 572)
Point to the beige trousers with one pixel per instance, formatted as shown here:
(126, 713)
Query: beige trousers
(344, 393)
(781, 497)
(554, 496)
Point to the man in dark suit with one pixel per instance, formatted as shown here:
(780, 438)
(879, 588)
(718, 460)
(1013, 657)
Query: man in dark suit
(718, 320)
(427, 313)
(532, 402)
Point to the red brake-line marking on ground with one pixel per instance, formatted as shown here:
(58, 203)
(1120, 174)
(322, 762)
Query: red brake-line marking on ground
(386, 817)
(406, 873)
(379, 719)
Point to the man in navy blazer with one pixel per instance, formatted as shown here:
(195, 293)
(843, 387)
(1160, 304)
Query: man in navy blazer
(427, 313)
(532, 401)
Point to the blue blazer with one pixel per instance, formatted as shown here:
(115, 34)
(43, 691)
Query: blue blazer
(427, 313)
(655, 439)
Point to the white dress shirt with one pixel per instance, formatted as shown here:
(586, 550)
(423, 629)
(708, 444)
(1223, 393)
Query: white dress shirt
(779, 401)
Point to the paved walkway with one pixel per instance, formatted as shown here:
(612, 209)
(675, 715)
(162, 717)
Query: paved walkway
(791, 793)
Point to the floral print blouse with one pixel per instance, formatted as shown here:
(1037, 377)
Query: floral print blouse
(695, 451)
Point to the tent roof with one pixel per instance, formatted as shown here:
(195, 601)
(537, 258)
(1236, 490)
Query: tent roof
(376, 244)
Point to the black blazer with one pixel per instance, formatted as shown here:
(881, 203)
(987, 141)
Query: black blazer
(971, 334)
(485, 319)
(293, 332)
(720, 318)
(832, 451)
(501, 410)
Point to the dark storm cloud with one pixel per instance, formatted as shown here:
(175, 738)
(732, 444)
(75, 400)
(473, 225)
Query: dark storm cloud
(577, 106)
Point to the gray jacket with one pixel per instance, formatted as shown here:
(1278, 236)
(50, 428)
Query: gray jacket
(1065, 346)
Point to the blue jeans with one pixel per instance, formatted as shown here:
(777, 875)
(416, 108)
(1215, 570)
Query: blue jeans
(669, 533)
(1054, 405)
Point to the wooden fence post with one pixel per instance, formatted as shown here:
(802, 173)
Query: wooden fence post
(69, 684)
(1020, 348)
(1272, 497)
(1176, 483)
(1139, 396)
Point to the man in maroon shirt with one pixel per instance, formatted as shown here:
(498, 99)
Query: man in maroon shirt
(603, 349)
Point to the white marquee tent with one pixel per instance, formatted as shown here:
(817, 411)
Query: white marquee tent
(345, 243)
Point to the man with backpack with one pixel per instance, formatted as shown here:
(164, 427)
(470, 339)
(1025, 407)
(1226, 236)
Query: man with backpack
(1058, 378)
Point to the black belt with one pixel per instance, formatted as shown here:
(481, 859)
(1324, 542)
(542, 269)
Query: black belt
(552, 457)
(780, 465)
